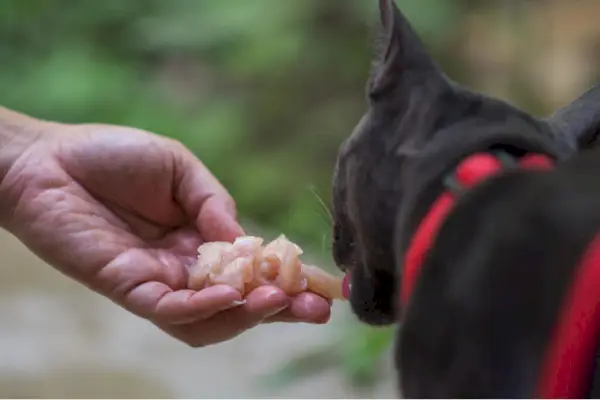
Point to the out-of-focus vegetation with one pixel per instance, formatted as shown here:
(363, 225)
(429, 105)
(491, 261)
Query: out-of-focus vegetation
(264, 91)
(359, 354)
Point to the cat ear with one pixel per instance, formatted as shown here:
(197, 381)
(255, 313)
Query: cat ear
(579, 122)
(403, 50)
(387, 11)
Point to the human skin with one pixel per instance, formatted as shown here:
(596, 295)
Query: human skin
(122, 211)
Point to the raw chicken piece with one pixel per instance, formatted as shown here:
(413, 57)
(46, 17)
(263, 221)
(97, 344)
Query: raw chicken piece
(210, 259)
(245, 265)
(279, 245)
(218, 263)
(322, 283)
(236, 274)
(290, 278)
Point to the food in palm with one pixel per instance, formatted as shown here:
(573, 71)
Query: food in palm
(246, 264)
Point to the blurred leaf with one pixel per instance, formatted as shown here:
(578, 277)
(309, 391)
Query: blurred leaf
(363, 351)
(357, 351)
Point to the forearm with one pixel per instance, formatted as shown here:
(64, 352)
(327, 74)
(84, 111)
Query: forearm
(17, 133)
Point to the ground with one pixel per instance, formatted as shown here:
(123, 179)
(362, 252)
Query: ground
(58, 339)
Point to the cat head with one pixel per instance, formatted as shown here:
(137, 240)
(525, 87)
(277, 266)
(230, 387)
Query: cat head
(417, 124)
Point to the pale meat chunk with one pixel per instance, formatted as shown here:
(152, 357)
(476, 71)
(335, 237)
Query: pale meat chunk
(322, 283)
(245, 265)
(236, 274)
(290, 277)
(210, 260)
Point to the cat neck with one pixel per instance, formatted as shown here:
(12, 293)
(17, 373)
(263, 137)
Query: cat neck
(424, 176)
(470, 172)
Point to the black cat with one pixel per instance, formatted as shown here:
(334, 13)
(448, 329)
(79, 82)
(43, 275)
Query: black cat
(491, 288)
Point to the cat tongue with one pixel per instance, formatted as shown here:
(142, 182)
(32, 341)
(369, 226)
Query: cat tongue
(346, 286)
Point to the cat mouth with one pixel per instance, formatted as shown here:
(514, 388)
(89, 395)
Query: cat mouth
(346, 285)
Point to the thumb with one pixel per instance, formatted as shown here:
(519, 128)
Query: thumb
(204, 199)
(217, 220)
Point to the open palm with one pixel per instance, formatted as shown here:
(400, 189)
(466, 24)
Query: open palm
(123, 211)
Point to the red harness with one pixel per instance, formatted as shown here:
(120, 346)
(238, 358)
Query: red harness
(570, 356)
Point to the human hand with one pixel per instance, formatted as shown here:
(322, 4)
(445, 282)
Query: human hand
(123, 211)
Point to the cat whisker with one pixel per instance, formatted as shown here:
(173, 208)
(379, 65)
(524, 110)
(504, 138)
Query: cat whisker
(325, 216)
(324, 207)
(325, 244)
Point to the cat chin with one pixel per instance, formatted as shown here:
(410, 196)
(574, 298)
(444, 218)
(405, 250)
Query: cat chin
(372, 298)
(371, 316)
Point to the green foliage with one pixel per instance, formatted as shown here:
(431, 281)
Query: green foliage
(357, 350)
(263, 91)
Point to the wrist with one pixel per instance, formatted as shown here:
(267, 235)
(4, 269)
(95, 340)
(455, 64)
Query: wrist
(17, 133)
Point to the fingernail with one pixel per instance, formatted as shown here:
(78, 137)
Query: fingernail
(278, 299)
(237, 303)
(275, 295)
(276, 311)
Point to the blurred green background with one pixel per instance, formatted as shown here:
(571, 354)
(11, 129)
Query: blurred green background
(264, 91)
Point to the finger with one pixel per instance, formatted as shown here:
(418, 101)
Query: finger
(306, 307)
(216, 221)
(260, 304)
(158, 302)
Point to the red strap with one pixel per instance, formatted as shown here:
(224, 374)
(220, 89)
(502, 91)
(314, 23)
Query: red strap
(421, 242)
(535, 161)
(472, 170)
(571, 352)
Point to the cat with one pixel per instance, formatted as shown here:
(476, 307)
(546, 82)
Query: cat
(490, 289)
